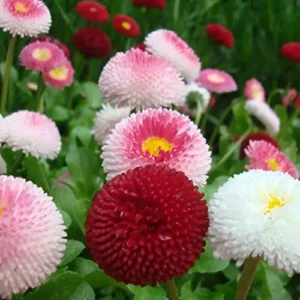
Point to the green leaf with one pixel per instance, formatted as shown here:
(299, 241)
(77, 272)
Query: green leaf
(80, 212)
(83, 266)
(59, 113)
(13, 76)
(211, 188)
(147, 292)
(83, 133)
(83, 292)
(74, 248)
(93, 95)
(98, 279)
(66, 217)
(199, 293)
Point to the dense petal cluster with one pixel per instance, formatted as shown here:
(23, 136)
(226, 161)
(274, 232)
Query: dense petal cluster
(126, 25)
(157, 136)
(220, 34)
(92, 11)
(137, 79)
(168, 44)
(150, 3)
(291, 51)
(256, 213)
(147, 225)
(32, 236)
(254, 90)
(24, 17)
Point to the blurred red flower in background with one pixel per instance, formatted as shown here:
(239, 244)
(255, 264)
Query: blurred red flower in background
(220, 34)
(289, 97)
(92, 11)
(297, 102)
(150, 3)
(92, 42)
(213, 101)
(140, 46)
(291, 51)
(126, 25)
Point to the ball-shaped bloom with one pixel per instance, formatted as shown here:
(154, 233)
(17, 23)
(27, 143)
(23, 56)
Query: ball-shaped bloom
(265, 156)
(92, 42)
(220, 34)
(60, 77)
(32, 133)
(256, 213)
(289, 97)
(92, 11)
(24, 17)
(204, 93)
(32, 236)
(106, 119)
(138, 79)
(150, 3)
(147, 225)
(265, 114)
(217, 81)
(291, 51)
(168, 44)
(42, 56)
(157, 136)
(254, 90)
(126, 25)
(3, 168)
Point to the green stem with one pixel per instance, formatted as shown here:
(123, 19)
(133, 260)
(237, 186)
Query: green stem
(205, 118)
(172, 290)
(17, 164)
(9, 60)
(245, 282)
(199, 110)
(274, 93)
(40, 94)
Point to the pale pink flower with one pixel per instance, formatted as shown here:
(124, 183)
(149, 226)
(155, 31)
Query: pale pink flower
(289, 97)
(157, 136)
(254, 90)
(32, 236)
(217, 81)
(265, 156)
(168, 44)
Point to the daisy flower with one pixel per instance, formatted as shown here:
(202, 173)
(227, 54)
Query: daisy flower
(291, 51)
(265, 114)
(204, 93)
(254, 90)
(32, 133)
(157, 136)
(106, 119)
(24, 17)
(150, 3)
(92, 11)
(147, 214)
(126, 25)
(256, 214)
(137, 79)
(220, 34)
(217, 81)
(32, 236)
(168, 44)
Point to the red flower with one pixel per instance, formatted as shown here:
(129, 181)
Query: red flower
(289, 97)
(45, 38)
(297, 102)
(147, 225)
(140, 46)
(220, 34)
(126, 25)
(291, 51)
(92, 42)
(213, 102)
(92, 11)
(150, 3)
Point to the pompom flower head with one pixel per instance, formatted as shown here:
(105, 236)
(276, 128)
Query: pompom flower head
(291, 51)
(32, 236)
(126, 25)
(147, 225)
(157, 136)
(265, 156)
(220, 34)
(92, 11)
(32, 133)
(139, 80)
(256, 214)
(150, 3)
(204, 93)
(106, 119)
(42, 56)
(168, 44)
(217, 81)
(254, 90)
(24, 17)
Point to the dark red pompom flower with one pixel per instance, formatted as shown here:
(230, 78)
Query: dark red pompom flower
(126, 25)
(92, 11)
(147, 225)
(297, 102)
(140, 46)
(150, 3)
(291, 51)
(220, 34)
(92, 42)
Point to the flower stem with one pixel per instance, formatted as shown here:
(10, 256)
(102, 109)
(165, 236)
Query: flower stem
(274, 93)
(170, 284)
(205, 118)
(17, 164)
(40, 94)
(9, 60)
(199, 110)
(245, 282)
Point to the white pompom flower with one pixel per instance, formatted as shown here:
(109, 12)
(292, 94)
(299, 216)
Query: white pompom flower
(204, 93)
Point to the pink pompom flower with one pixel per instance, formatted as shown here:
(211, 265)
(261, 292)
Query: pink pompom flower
(168, 44)
(60, 77)
(265, 156)
(157, 136)
(42, 56)
(254, 90)
(217, 81)
(32, 236)
(137, 79)
(24, 17)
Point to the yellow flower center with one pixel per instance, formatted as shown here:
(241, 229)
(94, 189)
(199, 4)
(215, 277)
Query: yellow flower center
(20, 7)
(273, 202)
(126, 25)
(215, 78)
(273, 164)
(42, 54)
(59, 73)
(256, 92)
(3, 206)
(155, 144)
(93, 9)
